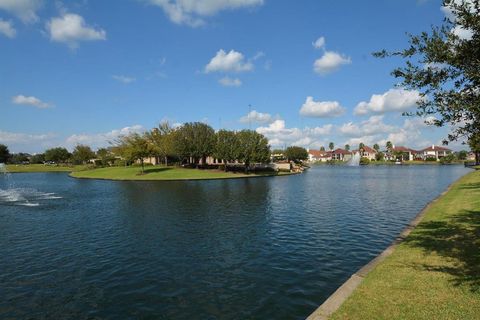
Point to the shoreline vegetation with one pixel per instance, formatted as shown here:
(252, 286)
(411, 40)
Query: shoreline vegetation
(434, 273)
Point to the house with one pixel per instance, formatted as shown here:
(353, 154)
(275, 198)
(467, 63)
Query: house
(369, 153)
(403, 153)
(435, 152)
(341, 155)
(319, 155)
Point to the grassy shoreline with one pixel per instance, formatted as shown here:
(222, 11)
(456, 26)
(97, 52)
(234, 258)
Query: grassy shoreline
(29, 168)
(435, 272)
(159, 173)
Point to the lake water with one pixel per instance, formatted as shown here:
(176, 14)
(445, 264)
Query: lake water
(266, 248)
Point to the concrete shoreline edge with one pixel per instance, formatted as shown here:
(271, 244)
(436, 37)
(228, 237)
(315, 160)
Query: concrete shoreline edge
(336, 299)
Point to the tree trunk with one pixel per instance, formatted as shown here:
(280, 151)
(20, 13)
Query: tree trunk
(141, 161)
(477, 158)
(166, 161)
(225, 165)
(247, 164)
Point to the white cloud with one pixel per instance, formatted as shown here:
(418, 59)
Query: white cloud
(319, 43)
(372, 126)
(230, 82)
(192, 12)
(394, 100)
(321, 109)
(459, 31)
(278, 135)
(26, 142)
(462, 33)
(257, 117)
(330, 62)
(232, 61)
(71, 28)
(30, 101)
(99, 140)
(124, 79)
(25, 10)
(7, 29)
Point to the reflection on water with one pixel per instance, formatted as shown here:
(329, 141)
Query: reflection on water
(269, 248)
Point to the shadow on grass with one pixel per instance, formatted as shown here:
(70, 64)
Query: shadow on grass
(154, 170)
(457, 240)
(470, 186)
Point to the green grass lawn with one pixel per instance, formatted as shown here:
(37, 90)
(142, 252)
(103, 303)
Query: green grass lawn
(42, 168)
(159, 173)
(435, 272)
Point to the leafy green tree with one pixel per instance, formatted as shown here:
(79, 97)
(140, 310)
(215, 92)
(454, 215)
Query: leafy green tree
(227, 147)
(376, 147)
(296, 154)
(389, 146)
(57, 155)
(380, 156)
(82, 154)
(195, 140)
(134, 147)
(361, 146)
(105, 156)
(19, 158)
(254, 148)
(347, 147)
(4, 153)
(462, 155)
(331, 145)
(322, 148)
(37, 158)
(162, 141)
(444, 68)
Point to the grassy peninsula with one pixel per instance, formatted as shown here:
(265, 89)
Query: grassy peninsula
(435, 272)
(162, 173)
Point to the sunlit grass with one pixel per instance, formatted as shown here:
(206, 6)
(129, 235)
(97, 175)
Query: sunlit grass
(435, 272)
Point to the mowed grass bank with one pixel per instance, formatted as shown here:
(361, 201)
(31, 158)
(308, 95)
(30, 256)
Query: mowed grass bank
(42, 168)
(435, 272)
(161, 173)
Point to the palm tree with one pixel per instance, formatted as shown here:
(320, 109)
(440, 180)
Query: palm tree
(322, 148)
(331, 146)
(347, 147)
(389, 145)
(361, 146)
(376, 147)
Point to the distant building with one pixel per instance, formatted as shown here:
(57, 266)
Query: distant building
(341, 155)
(436, 152)
(319, 155)
(367, 152)
(404, 153)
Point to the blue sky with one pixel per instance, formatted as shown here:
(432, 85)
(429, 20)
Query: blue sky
(86, 71)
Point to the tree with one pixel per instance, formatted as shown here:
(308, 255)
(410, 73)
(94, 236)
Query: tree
(227, 146)
(361, 146)
(462, 155)
(57, 155)
(322, 148)
(474, 143)
(19, 158)
(162, 142)
(134, 147)
(331, 146)
(37, 158)
(347, 147)
(105, 156)
(296, 154)
(254, 148)
(444, 68)
(195, 141)
(389, 146)
(376, 147)
(4, 153)
(82, 154)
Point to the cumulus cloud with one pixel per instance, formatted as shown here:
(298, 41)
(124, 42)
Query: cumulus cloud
(459, 31)
(30, 101)
(124, 79)
(192, 13)
(394, 100)
(230, 82)
(321, 109)
(27, 142)
(372, 126)
(232, 61)
(257, 117)
(25, 10)
(279, 135)
(71, 28)
(99, 140)
(319, 43)
(330, 62)
(7, 29)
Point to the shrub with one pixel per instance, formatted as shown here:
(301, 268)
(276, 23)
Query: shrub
(431, 159)
(364, 161)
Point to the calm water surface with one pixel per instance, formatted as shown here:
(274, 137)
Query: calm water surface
(267, 248)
